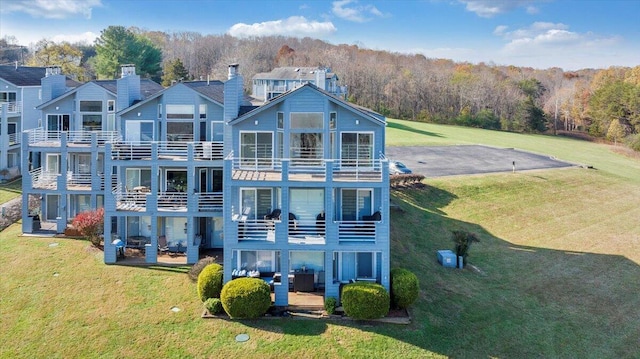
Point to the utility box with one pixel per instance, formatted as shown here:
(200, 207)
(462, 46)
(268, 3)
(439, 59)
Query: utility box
(447, 258)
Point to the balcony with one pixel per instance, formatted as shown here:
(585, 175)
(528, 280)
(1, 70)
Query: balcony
(167, 150)
(300, 232)
(209, 201)
(357, 231)
(43, 179)
(40, 137)
(12, 107)
(314, 170)
(140, 199)
(14, 139)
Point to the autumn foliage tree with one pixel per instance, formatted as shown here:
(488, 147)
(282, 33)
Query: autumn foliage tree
(90, 224)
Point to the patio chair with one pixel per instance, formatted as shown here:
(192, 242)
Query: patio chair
(162, 244)
(271, 218)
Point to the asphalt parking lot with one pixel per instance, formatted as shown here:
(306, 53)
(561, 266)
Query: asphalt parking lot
(440, 161)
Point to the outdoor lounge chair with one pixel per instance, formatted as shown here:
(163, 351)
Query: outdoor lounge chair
(162, 244)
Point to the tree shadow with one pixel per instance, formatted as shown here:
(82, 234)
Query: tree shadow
(399, 126)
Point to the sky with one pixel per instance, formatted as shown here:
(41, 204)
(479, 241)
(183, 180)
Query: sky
(569, 34)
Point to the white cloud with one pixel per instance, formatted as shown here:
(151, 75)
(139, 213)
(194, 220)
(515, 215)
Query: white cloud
(548, 43)
(491, 8)
(86, 37)
(293, 26)
(355, 13)
(52, 9)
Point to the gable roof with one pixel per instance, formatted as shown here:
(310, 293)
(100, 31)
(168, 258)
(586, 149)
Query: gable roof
(211, 90)
(22, 75)
(28, 76)
(363, 111)
(147, 89)
(291, 73)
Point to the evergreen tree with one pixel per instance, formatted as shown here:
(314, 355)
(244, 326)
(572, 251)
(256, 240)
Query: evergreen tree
(174, 70)
(117, 46)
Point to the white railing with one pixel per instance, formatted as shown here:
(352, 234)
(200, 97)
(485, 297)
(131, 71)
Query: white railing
(43, 179)
(256, 230)
(357, 231)
(39, 135)
(129, 200)
(12, 107)
(257, 164)
(172, 200)
(210, 201)
(140, 150)
(14, 138)
(79, 179)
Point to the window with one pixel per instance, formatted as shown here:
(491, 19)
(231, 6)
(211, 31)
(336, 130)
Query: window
(111, 122)
(203, 110)
(12, 159)
(8, 97)
(305, 146)
(57, 122)
(184, 112)
(255, 202)
(355, 204)
(280, 118)
(263, 261)
(92, 122)
(159, 110)
(176, 181)
(179, 131)
(304, 120)
(357, 149)
(111, 105)
(256, 149)
(356, 265)
(217, 131)
(91, 106)
(139, 131)
(333, 116)
(11, 128)
(137, 177)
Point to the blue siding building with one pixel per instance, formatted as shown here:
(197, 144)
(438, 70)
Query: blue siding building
(294, 191)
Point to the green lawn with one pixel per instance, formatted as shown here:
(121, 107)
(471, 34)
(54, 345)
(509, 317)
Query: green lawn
(10, 190)
(556, 275)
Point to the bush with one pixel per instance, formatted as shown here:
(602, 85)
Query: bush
(210, 282)
(362, 300)
(404, 288)
(213, 305)
(91, 225)
(463, 241)
(195, 270)
(246, 298)
(330, 305)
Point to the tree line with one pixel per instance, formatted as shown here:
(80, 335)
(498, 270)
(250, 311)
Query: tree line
(603, 103)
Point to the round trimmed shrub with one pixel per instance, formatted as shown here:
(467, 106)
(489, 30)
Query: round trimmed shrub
(213, 305)
(246, 297)
(404, 288)
(197, 268)
(330, 304)
(362, 300)
(210, 282)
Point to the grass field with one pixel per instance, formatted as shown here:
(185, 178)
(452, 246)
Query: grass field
(10, 190)
(556, 275)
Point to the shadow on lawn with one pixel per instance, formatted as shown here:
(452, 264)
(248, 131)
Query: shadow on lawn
(510, 301)
(399, 126)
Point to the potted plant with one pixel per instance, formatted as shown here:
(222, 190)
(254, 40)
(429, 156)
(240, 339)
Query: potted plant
(463, 241)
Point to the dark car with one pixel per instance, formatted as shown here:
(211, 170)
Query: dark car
(397, 167)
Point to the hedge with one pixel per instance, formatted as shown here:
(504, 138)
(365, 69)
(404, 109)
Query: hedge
(363, 300)
(246, 297)
(404, 288)
(210, 282)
